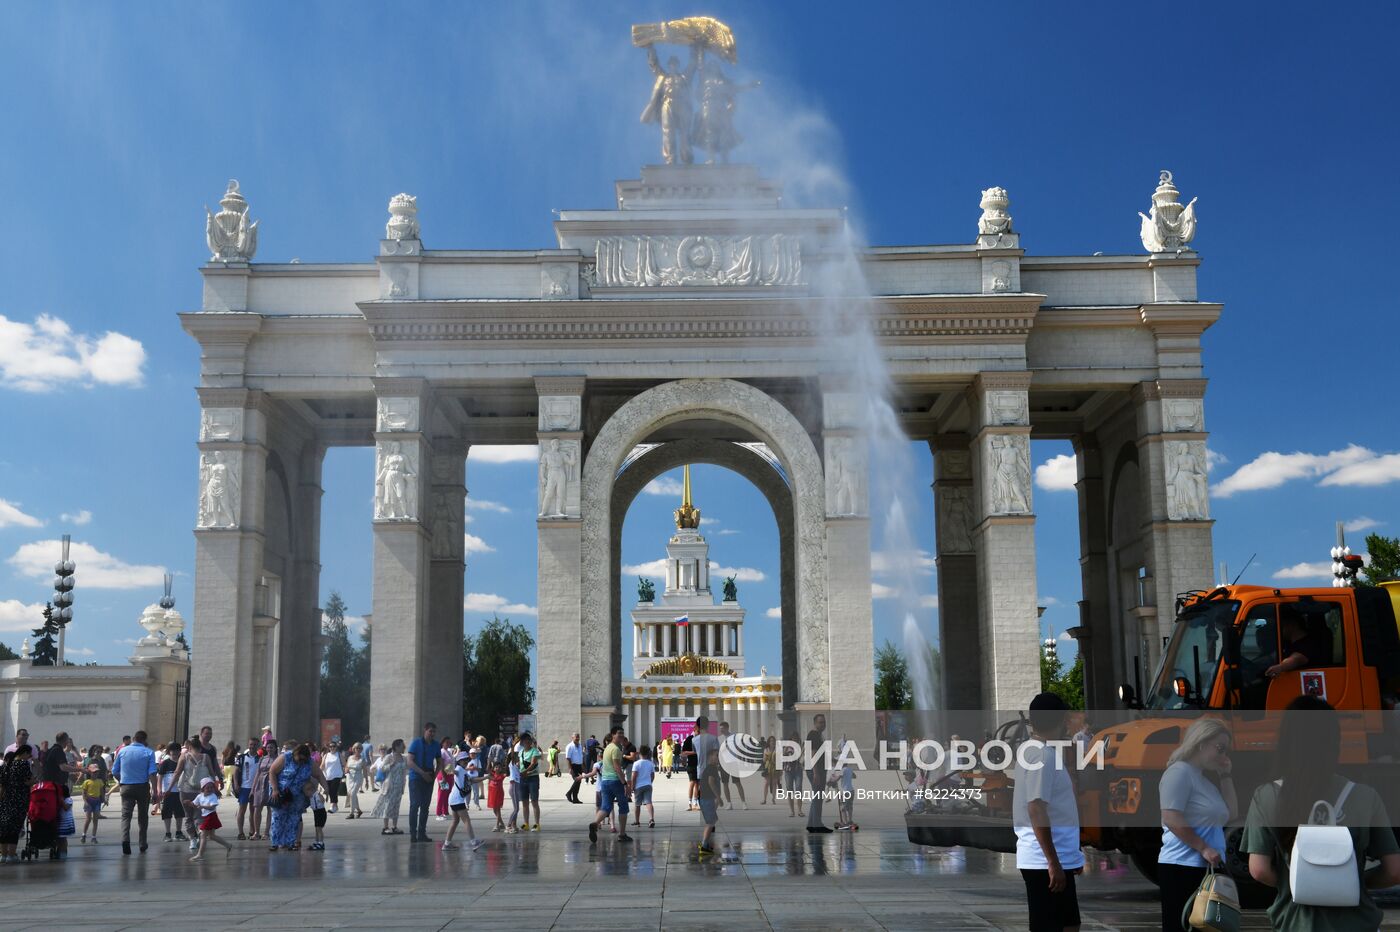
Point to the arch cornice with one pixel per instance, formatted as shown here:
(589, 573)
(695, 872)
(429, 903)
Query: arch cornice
(756, 413)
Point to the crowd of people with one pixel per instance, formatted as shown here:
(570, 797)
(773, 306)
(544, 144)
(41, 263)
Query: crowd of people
(270, 785)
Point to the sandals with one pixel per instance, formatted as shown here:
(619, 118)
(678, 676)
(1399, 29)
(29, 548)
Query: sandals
(242, 837)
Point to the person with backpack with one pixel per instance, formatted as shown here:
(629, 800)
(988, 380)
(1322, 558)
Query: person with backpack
(1289, 849)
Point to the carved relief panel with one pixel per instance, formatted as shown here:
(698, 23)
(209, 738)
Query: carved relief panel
(846, 465)
(397, 414)
(559, 478)
(220, 490)
(1188, 497)
(1007, 474)
(221, 424)
(396, 481)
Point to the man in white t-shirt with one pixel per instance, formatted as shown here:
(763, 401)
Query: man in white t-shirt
(1045, 814)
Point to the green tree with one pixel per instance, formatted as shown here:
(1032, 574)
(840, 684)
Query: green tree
(45, 653)
(343, 695)
(6, 653)
(1385, 560)
(496, 675)
(893, 688)
(1067, 684)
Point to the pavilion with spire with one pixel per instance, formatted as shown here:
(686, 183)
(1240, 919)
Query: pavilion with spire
(688, 648)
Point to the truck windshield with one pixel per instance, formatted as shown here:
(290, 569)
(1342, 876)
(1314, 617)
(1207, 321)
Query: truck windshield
(1194, 652)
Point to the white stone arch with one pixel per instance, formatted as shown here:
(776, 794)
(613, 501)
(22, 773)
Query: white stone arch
(765, 477)
(767, 420)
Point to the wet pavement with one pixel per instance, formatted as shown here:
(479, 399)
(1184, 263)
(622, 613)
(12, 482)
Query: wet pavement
(777, 877)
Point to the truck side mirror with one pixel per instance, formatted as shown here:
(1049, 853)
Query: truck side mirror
(1182, 686)
(1128, 697)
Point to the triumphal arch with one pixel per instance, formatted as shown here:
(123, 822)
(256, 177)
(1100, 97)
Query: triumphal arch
(686, 323)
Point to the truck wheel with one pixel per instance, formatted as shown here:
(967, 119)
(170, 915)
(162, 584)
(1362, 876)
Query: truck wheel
(1146, 864)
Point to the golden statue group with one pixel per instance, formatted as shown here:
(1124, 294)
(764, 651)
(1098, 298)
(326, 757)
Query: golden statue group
(684, 128)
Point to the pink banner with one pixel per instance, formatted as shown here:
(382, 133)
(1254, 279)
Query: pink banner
(679, 729)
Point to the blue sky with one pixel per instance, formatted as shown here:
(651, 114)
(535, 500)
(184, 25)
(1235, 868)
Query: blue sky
(123, 122)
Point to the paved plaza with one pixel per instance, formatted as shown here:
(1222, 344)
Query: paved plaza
(781, 878)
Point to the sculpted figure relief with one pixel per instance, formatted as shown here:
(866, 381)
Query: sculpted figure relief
(731, 590)
(218, 491)
(843, 477)
(1187, 492)
(396, 484)
(955, 519)
(714, 124)
(557, 462)
(1011, 475)
(712, 128)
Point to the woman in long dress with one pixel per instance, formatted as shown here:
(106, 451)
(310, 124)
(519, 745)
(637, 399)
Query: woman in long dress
(355, 780)
(295, 777)
(16, 776)
(394, 767)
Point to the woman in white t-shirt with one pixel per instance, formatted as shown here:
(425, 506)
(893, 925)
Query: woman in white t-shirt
(1198, 800)
(643, 774)
(333, 769)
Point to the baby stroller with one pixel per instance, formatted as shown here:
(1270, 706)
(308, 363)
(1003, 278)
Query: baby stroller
(45, 805)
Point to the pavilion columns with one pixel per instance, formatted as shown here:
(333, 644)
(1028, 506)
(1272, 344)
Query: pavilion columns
(560, 529)
(400, 649)
(1174, 495)
(228, 668)
(849, 614)
(1093, 635)
(958, 615)
(1004, 540)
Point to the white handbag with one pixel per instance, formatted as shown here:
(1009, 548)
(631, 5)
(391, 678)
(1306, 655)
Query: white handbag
(1322, 869)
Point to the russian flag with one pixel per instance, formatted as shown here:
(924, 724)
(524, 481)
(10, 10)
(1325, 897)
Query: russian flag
(683, 620)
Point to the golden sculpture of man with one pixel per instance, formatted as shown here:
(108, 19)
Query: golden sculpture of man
(670, 105)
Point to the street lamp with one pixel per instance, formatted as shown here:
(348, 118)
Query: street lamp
(63, 584)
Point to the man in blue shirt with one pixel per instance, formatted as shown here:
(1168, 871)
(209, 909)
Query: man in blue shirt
(573, 753)
(424, 762)
(135, 769)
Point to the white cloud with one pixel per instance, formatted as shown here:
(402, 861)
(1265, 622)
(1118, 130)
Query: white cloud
(355, 623)
(1050, 600)
(17, 616)
(727, 531)
(46, 354)
(709, 521)
(1057, 474)
(928, 601)
(96, 569)
(485, 603)
(1214, 459)
(483, 504)
(1378, 471)
(879, 590)
(1361, 524)
(77, 520)
(774, 612)
(654, 569)
(664, 485)
(475, 544)
(78, 651)
(1271, 470)
(740, 573)
(885, 563)
(12, 516)
(503, 453)
(1319, 570)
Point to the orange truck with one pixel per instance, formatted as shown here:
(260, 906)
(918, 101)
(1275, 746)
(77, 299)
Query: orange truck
(1215, 662)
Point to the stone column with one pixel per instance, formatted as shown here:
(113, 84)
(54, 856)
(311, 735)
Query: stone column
(446, 584)
(228, 559)
(1175, 497)
(1005, 541)
(560, 527)
(850, 625)
(399, 661)
(1093, 637)
(298, 635)
(959, 624)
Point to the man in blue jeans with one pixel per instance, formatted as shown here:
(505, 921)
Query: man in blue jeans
(424, 762)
